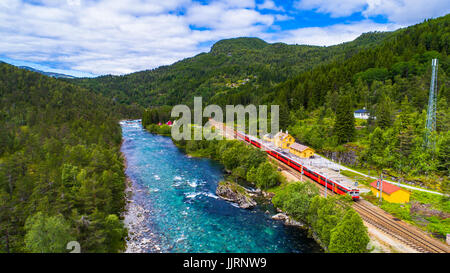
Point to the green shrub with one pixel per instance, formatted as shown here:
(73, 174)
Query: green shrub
(350, 235)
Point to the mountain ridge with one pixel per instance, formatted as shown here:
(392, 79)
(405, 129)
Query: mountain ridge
(46, 73)
(227, 63)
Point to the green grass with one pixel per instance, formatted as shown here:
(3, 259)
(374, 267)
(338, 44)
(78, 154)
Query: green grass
(402, 211)
(437, 202)
(438, 226)
(164, 130)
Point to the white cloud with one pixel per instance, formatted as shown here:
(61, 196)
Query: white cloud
(283, 17)
(331, 35)
(118, 36)
(335, 8)
(218, 16)
(407, 11)
(270, 5)
(239, 3)
(122, 36)
(397, 11)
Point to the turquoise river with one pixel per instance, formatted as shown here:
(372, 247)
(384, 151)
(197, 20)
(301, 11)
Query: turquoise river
(183, 213)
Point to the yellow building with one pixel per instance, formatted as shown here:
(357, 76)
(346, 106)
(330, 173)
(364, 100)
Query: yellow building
(301, 150)
(391, 193)
(283, 140)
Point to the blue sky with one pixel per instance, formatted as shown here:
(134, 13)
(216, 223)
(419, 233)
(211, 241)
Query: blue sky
(96, 37)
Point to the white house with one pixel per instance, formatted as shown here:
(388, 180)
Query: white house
(361, 113)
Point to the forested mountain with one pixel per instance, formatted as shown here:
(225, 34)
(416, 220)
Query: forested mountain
(228, 73)
(387, 73)
(50, 74)
(392, 81)
(61, 174)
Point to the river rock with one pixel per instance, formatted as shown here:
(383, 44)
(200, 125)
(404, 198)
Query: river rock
(292, 222)
(268, 195)
(286, 219)
(234, 193)
(280, 216)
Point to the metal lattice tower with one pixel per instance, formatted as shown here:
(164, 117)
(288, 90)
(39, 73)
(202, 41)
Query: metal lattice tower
(432, 101)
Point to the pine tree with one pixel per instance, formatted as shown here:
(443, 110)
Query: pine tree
(376, 148)
(284, 117)
(405, 134)
(444, 154)
(47, 234)
(384, 113)
(442, 116)
(344, 126)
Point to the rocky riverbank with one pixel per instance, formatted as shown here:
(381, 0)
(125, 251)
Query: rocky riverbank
(243, 197)
(140, 238)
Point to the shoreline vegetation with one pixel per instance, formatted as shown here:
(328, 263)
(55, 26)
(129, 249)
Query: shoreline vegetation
(334, 225)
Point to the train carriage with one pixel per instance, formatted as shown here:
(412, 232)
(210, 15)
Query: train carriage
(330, 184)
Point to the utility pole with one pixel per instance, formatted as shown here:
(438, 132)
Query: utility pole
(301, 177)
(381, 187)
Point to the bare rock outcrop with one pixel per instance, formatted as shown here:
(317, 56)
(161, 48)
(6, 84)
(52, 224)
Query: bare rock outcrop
(286, 219)
(234, 193)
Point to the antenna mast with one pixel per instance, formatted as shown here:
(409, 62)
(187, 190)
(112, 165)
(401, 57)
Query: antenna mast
(431, 112)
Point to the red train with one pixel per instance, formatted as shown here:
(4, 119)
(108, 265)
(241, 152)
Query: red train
(335, 186)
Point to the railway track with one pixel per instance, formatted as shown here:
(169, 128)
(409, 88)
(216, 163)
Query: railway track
(399, 229)
(387, 223)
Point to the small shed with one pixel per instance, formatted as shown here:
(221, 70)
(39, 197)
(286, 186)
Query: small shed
(301, 150)
(391, 193)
